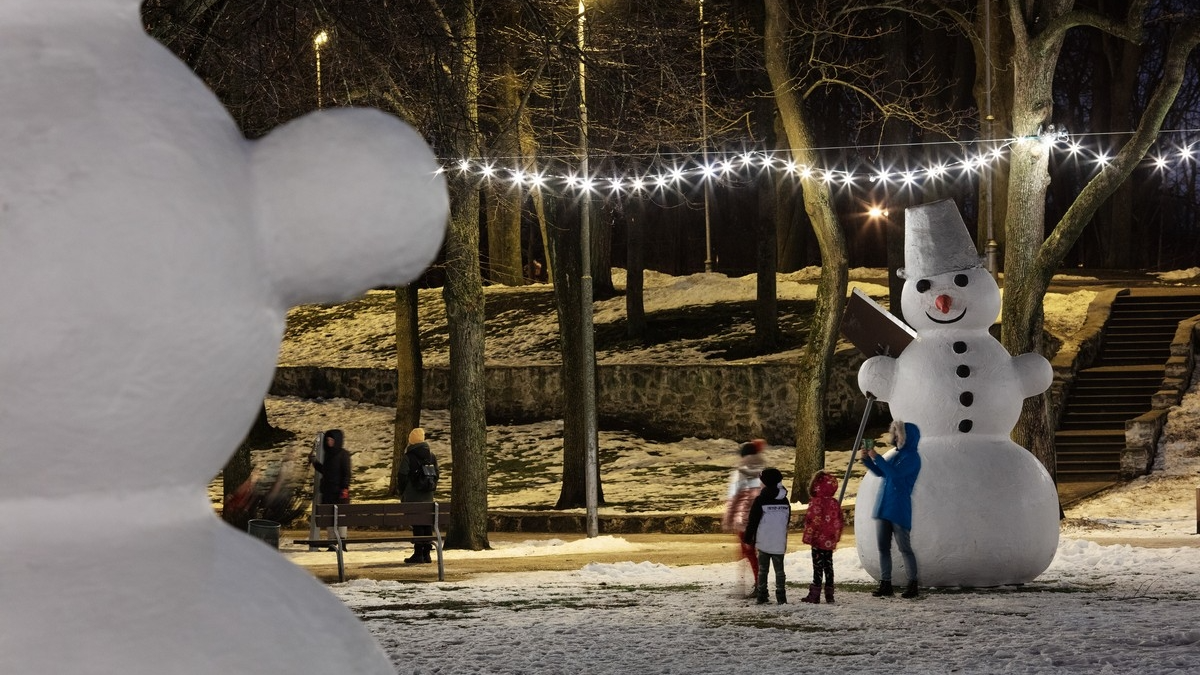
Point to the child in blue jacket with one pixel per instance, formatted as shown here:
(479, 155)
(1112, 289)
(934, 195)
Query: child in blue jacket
(893, 510)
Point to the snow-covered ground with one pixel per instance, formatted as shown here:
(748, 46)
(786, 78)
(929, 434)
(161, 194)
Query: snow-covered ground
(1099, 608)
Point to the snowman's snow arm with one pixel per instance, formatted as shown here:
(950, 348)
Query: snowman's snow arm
(1034, 373)
(877, 377)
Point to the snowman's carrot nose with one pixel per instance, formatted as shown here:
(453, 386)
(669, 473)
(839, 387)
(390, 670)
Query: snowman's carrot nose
(942, 303)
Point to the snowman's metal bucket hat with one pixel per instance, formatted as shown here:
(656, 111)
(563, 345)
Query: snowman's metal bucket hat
(936, 241)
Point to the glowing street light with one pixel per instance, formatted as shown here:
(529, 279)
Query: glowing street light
(319, 41)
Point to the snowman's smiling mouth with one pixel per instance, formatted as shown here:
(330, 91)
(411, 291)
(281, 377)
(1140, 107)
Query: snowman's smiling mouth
(961, 315)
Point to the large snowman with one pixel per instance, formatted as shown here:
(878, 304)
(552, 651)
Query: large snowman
(148, 254)
(985, 511)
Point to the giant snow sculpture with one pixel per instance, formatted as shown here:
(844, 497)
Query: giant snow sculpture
(985, 511)
(148, 254)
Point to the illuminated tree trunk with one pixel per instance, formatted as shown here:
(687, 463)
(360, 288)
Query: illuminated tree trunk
(1030, 258)
(825, 325)
(463, 293)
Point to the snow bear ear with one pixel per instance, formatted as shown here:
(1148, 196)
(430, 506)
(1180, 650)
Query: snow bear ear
(346, 200)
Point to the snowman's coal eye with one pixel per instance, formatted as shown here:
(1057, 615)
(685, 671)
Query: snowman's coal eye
(922, 285)
(960, 280)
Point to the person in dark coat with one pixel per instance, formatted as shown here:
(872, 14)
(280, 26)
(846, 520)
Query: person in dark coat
(334, 487)
(417, 454)
(767, 530)
(893, 509)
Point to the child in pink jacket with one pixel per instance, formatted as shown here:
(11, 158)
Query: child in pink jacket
(822, 529)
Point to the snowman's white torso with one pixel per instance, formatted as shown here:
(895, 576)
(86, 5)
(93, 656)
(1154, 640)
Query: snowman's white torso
(963, 381)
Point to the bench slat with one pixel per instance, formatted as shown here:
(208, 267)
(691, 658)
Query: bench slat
(363, 540)
(379, 522)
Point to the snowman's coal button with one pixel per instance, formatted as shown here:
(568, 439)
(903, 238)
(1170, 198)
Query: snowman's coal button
(963, 371)
(960, 347)
(964, 426)
(966, 398)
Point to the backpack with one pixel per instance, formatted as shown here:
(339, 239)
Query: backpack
(422, 476)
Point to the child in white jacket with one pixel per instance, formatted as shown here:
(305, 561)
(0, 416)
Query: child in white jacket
(767, 531)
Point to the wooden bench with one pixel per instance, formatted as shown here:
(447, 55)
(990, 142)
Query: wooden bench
(389, 516)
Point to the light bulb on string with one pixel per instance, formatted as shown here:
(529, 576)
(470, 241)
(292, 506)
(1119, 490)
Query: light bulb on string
(738, 166)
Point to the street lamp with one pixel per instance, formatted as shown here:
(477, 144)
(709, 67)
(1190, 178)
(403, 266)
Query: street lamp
(990, 248)
(319, 41)
(586, 339)
(708, 261)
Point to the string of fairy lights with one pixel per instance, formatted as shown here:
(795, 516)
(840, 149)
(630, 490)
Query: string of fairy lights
(682, 173)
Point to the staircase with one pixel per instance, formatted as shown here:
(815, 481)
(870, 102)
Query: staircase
(1119, 386)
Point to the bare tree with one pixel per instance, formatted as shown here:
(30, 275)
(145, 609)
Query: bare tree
(1038, 29)
(833, 36)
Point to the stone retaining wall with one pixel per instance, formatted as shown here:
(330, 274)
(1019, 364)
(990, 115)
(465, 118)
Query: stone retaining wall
(630, 523)
(717, 400)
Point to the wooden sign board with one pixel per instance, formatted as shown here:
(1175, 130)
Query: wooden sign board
(873, 329)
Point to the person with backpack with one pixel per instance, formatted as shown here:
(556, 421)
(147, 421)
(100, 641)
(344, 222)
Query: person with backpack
(417, 481)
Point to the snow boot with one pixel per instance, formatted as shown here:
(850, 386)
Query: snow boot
(416, 558)
(884, 590)
(911, 591)
(781, 596)
(814, 595)
(761, 596)
(829, 593)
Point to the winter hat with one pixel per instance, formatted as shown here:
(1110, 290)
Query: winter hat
(416, 436)
(936, 241)
(771, 477)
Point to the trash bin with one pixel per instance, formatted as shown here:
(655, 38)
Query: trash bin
(267, 530)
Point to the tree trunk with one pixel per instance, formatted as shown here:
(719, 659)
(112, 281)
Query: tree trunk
(824, 327)
(565, 253)
(991, 60)
(1121, 249)
(463, 293)
(766, 302)
(409, 372)
(1032, 258)
(504, 201)
(635, 263)
(602, 227)
(766, 229)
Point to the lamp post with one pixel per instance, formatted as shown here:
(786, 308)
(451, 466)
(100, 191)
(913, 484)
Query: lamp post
(708, 261)
(991, 246)
(319, 41)
(586, 339)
